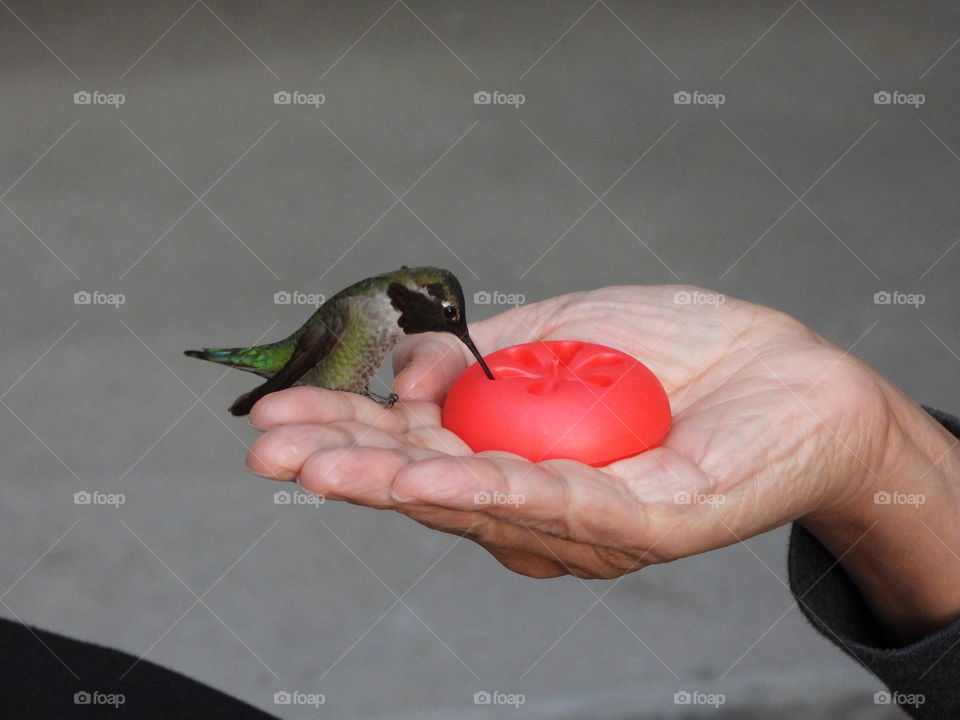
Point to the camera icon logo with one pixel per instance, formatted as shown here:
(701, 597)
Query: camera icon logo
(81, 497)
(882, 697)
(482, 297)
(882, 98)
(482, 98)
(482, 698)
(882, 297)
(282, 697)
(282, 97)
(683, 497)
(82, 97)
(82, 297)
(682, 297)
(282, 497)
(682, 698)
(682, 98)
(282, 297)
(82, 698)
(483, 498)
(882, 498)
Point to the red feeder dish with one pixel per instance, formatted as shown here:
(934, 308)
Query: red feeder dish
(559, 399)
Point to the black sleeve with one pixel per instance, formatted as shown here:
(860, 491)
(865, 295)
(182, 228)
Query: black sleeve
(45, 675)
(924, 677)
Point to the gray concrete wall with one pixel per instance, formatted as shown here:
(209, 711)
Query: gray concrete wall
(302, 598)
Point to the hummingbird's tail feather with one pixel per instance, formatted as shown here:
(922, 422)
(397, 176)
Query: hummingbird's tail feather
(263, 360)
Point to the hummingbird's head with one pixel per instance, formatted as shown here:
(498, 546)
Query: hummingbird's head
(434, 304)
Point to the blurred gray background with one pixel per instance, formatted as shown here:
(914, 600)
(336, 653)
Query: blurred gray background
(199, 198)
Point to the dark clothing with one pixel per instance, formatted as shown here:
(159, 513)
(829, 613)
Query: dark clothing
(35, 684)
(924, 676)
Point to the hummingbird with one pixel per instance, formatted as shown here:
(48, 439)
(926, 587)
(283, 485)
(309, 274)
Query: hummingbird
(342, 345)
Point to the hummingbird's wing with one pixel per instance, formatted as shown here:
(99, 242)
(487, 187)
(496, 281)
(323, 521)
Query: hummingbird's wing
(317, 342)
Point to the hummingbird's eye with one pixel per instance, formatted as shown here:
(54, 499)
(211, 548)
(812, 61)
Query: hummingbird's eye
(450, 312)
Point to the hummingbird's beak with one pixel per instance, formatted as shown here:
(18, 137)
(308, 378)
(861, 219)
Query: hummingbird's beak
(476, 353)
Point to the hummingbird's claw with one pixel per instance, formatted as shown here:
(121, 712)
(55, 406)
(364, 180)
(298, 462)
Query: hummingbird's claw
(388, 401)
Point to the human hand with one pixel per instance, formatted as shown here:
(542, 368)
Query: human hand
(759, 402)
(771, 423)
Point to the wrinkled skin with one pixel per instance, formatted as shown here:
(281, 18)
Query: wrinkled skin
(771, 423)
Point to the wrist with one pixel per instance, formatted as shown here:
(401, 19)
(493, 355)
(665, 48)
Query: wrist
(896, 534)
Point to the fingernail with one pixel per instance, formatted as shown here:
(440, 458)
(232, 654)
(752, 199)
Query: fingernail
(399, 497)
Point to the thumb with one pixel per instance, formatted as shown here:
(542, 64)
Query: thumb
(426, 365)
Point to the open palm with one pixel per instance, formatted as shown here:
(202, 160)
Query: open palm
(771, 422)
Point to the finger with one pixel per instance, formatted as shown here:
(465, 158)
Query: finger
(304, 405)
(361, 475)
(537, 548)
(426, 365)
(279, 454)
(563, 497)
(365, 476)
(528, 564)
(587, 519)
(645, 512)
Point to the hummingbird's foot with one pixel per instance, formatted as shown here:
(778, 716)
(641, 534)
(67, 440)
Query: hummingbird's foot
(387, 401)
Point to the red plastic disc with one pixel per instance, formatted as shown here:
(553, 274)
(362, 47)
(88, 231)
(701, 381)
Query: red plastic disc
(559, 399)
